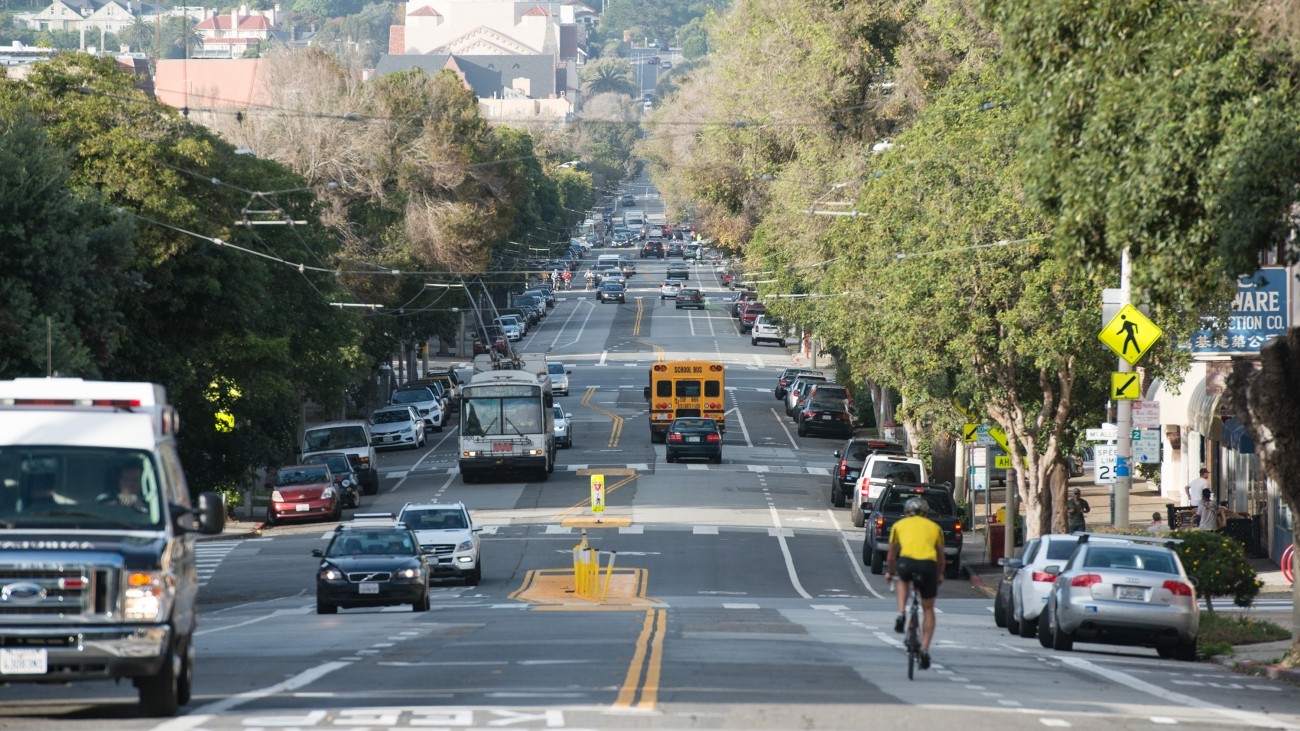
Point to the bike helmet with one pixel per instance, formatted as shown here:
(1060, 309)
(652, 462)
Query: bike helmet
(914, 506)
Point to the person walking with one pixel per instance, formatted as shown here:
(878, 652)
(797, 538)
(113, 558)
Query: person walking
(1075, 508)
(1195, 487)
(1207, 511)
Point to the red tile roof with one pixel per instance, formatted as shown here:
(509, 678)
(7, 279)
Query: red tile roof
(538, 10)
(425, 12)
(246, 22)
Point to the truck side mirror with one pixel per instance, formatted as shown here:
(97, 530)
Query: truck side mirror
(211, 513)
(646, 393)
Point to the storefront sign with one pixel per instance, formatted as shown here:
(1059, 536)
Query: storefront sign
(1259, 312)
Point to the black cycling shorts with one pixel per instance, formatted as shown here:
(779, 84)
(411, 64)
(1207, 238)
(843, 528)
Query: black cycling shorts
(924, 574)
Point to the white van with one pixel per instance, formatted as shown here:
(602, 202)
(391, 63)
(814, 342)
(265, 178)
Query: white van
(353, 439)
(879, 468)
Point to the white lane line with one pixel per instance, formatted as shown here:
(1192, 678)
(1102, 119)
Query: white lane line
(731, 605)
(853, 559)
(206, 713)
(785, 551)
(781, 423)
(603, 354)
(1055, 722)
(254, 620)
(1183, 700)
(740, 419)
(705, 530)
(581, 328)
(447, 434)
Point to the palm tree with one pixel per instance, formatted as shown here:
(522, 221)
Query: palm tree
(180, 37)
(609, 76)
(139, 35)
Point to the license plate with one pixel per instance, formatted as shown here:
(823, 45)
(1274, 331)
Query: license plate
(302, 507)
(368, 587)
(502, 446)
(826, 417)
(24, 662)
(1132, 592)
(692, 439)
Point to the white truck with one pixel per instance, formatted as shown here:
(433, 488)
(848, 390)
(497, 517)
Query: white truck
(634, 218)
(98, 577)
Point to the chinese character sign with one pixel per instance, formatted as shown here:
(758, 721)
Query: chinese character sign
(1259, 313)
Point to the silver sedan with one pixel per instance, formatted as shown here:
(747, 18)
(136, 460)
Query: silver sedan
(1122, 591)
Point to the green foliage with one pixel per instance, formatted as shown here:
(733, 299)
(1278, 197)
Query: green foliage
(1219, 631)
(1218, 566)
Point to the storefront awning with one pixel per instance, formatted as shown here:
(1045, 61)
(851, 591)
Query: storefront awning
(1236, 438)
(1203, 413)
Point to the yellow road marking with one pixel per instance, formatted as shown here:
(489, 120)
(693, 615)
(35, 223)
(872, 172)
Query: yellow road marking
(640, 310)
(587, 503)
(554, 589)
(647, 661)
(588, 521)
(605, 471)
(617, 429)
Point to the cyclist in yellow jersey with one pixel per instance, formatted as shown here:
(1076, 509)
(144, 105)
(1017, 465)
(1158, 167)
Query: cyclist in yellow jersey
(916, 555)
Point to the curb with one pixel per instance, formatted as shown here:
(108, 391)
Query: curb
(1260, 669)
(254, 532)
(978, 582)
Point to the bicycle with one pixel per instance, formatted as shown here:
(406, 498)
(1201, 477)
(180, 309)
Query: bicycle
(912, 634)
(1288, 570)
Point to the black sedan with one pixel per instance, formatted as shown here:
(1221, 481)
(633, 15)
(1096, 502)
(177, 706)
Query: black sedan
(826, 417)
(369, 565)
(693, 438)
(611, 292)
(690, 298)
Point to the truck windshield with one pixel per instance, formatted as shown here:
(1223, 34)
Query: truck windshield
(78, 487)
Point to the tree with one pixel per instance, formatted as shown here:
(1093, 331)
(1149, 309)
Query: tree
(180, 37)
(608, 76)
(139, 35)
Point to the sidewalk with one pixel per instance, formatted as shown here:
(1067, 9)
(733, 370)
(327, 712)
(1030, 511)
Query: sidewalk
(1259, 659)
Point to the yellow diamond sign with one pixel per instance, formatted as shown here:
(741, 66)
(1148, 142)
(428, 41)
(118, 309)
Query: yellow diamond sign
(1130, 334)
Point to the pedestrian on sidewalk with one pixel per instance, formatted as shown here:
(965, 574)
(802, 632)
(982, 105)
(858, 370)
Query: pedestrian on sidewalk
(1157, 525)
(1195, 487)
(1075, 508)
(1208, 512)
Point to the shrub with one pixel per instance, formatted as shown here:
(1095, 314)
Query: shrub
(1218, 566)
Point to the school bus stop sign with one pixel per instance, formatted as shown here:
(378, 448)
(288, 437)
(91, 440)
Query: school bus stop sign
(1130, 334)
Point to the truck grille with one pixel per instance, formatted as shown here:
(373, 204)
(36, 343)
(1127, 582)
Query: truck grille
(63, 591)
(438, 549)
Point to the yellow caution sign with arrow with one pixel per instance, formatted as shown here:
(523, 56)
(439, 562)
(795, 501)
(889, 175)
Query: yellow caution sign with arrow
(1125, 386)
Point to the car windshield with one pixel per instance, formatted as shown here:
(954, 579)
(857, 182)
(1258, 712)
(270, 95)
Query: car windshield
(372, 543)
(331, 438)
(1060, 550)
(301, 476)
(1129, 559)
(555, 368)
(391, 416)
(434, 519)
(338, 463)
(49, 487)
(559, 412)
(412, 395)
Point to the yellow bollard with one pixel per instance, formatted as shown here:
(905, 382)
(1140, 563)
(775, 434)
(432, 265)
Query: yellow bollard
(609, 570)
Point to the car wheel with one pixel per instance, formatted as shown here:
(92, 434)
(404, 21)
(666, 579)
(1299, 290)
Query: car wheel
(753, 341)
(337, 515)
(877, 562)
(422, 441)
(325, 608)
(467, 477)
(718, 459)
(438, 428)
(421, 604)
(782, 342)
(803, 432)
(668, 456)
(859, 519)
(1010, 622)
(837, 497)
(999, 610)
(1044, 630)
(1186, 651)
(952, 569)
(160, 693)
(1061, 640)
(270, 518)
(475, 576)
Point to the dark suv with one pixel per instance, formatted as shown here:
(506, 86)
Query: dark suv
(888, 510)
(848, 464)
(652, 248)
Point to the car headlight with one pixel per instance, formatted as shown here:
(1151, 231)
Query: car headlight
(276, 497)
(145, 596)
(346, 482)
(408, 573)
(465, 546)
(329, 573)
(327, 493)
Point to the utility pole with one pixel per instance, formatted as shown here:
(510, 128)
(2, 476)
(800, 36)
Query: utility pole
(1123, 417)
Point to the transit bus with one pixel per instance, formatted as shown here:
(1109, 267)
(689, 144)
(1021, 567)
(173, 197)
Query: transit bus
(507, 422)
(685, 388)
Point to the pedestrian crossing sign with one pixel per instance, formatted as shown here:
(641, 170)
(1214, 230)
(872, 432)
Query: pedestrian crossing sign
(1130, 334)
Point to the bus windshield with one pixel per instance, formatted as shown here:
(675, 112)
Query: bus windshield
(509, 416)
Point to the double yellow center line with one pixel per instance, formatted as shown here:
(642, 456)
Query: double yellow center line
(616, 430)
(647, 664)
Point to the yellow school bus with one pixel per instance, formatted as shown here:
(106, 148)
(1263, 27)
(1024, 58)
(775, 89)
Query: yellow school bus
(685, 388)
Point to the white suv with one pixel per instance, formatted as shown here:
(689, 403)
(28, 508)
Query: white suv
(871, 481)
(448, 539)
(766, 330)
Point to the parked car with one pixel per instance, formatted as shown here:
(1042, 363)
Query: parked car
(511, 328)
(611, 292)
(689, 297)
(394, 426)
(787, 377)
(879, 470)
(742, 297)
(1122, 592)
(346, 483)
(351, 437)
(848, 464)
(888, 510)
(794, 395)
(828, 391)
(693, 438)
(303, 492)
(371, 563)
(826, 417)
(448, 539)
(750, 314)
(766, 330)
(563, 427)
(1027, 582)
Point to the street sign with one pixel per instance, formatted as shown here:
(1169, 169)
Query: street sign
(969, 432)
(1002, 462)
(1130, 334)
(1107, 433)
(1000, 438)
(983, 438)
(1104, 458)
(597, 493)
(1125, 386)
(1146, 446)
(1146, 414)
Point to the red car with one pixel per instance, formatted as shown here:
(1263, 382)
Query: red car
(303, 492)
(750, 312)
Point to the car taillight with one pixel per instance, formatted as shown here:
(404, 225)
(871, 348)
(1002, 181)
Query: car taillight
(674, 438)
(865, 487)
(844, 469)
(713, 438)
(1085, 580)
(1177, 588)
(1042, 576)
(880, 525)
(842, 416)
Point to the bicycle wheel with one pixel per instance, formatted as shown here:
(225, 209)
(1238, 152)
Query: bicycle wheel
(1286, 565)
(911, 657)
(913, 640)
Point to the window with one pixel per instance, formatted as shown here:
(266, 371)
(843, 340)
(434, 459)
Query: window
(712, 389)
(688, 389)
